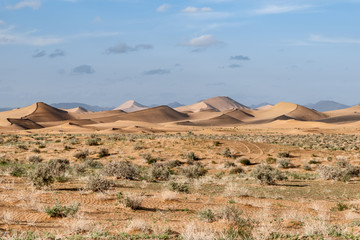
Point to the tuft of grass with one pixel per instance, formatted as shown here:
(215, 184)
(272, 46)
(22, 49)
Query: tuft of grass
(57, 210)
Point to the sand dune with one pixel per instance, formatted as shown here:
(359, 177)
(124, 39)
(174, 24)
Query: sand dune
(47, 113)
(216, 104)
(222, 120)
(284, 110)
(159, 114)
(76, 110)
(24, 124)
(131, 106)
(265, 107)
(346, 111)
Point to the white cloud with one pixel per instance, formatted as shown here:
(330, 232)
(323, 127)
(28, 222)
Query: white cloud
(322, 39)
(163, 8)
(97, 19)
(196, 10)
(202, 41)
(34, 4)
(274, 9)
(2, 22)
(9, 37)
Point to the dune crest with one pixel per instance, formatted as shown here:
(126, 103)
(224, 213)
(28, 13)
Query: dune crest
(131, 106)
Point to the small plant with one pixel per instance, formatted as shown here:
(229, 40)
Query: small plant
(178, 187)
(216, 143)
(98, 184)
(122, 169)
(17, 171)
(83, 154)
(42, 176)
(284, 163)
(245, 161)
(158, 172)
(133, 202)
(103, 152)
(266, 174)
(307, 167)
(206, 215)
(93, 141)
(59, 166)
(194, 171)
(232, 214)
(339, 207)
(283, 154)
(270, 160)
(191, 156)
(62, 211)
(229, 164)
(236, 170)
(313, 162)
(35, 159)
(227, 153)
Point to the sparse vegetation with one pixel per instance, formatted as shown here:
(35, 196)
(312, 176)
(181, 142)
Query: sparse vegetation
(62, 211)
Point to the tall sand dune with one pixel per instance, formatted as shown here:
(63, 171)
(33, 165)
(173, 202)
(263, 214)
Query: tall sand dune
(131, 106)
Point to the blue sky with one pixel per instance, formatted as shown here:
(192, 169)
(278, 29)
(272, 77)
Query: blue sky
(105, 52)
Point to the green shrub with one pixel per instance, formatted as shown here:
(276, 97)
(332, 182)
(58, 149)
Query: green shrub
(42, 176)
(245, 161)
(284, 163)
(270, 160)
(122, 169)
(158, 171)
(132, 202)
(283, 154)
(178, 187)
(98, 184)
(59, 166)
(206, 215)
(62, 211)
(227, 153)
(194, 171)
(83, 154)
(229, 164)
(35, 159)
(236, 170)
(93, 141)
(103, 152)
(266, 174)
(191, 156)
(18, 171)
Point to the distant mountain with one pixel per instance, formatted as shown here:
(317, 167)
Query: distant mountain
(255, 106)
(326, 105)
(175, 105)
(131, 106)
(5, 109)
(82, 105)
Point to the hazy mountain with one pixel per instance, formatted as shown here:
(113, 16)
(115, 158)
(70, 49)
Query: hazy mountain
(326, 105)
(175, 105)
(5, 109)
(82, 105)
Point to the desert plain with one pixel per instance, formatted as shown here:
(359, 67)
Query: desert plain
(215, 169)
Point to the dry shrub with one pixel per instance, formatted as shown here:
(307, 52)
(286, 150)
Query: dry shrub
(98, 184)
(123, 169)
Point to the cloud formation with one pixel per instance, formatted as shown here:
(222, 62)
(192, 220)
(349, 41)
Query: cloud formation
(159, 71)
(322, 39)
(83, 69)
(34, 4)
(57, 53)
(124, 48)
(240, 58)
(202, 41)
(39, 54)
(163, 8)
(196, 10)
(275, 9)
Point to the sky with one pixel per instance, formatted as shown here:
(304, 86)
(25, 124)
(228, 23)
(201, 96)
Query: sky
(105, 52)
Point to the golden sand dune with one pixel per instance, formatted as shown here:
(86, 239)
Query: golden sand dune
(159, 114)
(346, 115)
(47, 113)
(16, 113)
(265, 107)
(222, 120)
(101, 117)
(131, 106)
(76, 110)
(284, 110)
(24, 123)
(216, 104)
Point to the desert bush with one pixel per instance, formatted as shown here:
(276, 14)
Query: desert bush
(17, 171)
(236, 170)
(22, 147)
(59, 166)
(178, 187)
(337, 173)
(270, 160)
(35, 159)
(82, 154)
(266, 174)
(227, 153)
(158, 171)
(138, 146)
(103, 152)
(91, 163)
(245, 161)
(228, 164)
(80, 169)
(95, 141)
(283, 154)
(42, 176)
(98, 184)
(133, 202)
(339, 207)
(206, 215)
(231, 214)
(173, 163)
(191, 156)
(122, 169)
(307, 167)
(284, 163)
(194, 171)
(62, 211)
(216, 143)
